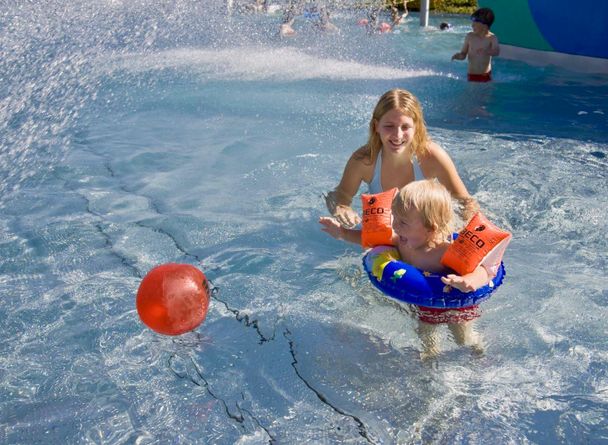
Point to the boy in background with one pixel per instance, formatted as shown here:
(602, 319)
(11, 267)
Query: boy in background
(479, 46)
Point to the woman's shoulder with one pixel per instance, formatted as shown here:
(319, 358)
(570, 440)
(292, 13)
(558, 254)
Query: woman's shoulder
(362, 155)
(436, 162)
(362, 151)
(434, 153)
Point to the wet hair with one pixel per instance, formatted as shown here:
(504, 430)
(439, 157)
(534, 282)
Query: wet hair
(444, 25)
(432, 200)
(484, 15)
(406, 103)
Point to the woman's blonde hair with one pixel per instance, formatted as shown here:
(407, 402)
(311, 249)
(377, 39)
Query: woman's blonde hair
(406, 103)
(432, 200)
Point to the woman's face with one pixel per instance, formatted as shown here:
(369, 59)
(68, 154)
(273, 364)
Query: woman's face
(410, 229)
(396, 131)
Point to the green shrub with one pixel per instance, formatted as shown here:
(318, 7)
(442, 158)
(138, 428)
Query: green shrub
(445, 6)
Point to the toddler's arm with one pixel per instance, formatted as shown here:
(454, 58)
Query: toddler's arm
(335, 229)
(469, 282)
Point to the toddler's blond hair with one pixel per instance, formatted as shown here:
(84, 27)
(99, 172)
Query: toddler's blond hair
(432, 200)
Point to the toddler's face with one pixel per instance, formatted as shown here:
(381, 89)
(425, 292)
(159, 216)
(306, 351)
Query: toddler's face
(409, 227)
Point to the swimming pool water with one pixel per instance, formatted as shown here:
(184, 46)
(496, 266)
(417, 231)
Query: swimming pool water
(135, 134)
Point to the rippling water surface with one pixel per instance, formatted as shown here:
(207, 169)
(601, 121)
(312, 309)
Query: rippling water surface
(139, 133)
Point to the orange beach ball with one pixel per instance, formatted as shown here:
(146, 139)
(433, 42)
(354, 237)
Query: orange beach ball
(173, 298)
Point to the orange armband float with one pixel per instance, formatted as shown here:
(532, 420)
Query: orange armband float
(377, 225)
(479, 243)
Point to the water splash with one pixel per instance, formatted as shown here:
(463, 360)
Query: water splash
(48, 50)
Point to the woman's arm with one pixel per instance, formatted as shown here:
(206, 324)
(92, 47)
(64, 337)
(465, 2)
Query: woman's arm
(470, 207)
(339, 200)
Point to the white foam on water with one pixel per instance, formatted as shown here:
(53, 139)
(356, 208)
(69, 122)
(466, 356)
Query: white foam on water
(286, 64)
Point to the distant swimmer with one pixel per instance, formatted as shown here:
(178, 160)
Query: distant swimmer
(444, 26)
(324, 23)
(286, 30)
(397, 18)
(372, 20)
(384, 27)
(289, 16)
(318, 16)
(374, 27)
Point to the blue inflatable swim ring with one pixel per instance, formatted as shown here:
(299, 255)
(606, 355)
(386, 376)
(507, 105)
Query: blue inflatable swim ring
(408, 284)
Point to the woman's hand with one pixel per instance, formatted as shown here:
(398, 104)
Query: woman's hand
(469, 207)
(344, 214)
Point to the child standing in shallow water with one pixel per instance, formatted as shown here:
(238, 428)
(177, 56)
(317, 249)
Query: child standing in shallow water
(423, 223)
(479, 46)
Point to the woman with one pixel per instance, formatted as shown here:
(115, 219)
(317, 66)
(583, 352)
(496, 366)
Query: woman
(397, 152)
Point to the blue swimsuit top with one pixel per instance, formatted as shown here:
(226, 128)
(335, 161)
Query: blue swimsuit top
(376, 185)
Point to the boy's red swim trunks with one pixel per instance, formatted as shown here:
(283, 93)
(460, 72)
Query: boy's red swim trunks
(485, 77)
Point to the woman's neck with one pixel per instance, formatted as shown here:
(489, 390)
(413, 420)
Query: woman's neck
(403, 157)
